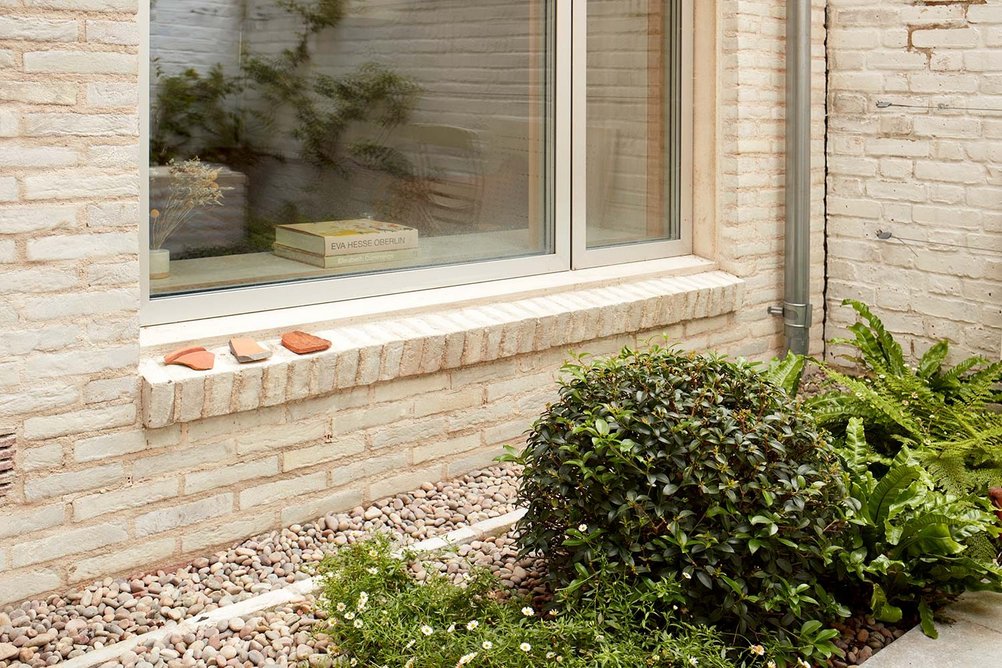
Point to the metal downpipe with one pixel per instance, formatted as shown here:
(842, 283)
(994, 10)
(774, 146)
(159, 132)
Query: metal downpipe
(796, 309)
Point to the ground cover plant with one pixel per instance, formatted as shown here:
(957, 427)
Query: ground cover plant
(379, 615)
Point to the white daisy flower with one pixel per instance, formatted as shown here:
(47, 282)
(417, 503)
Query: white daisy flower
(525, 647)
(427, 630)
(528, 612)
(472, 625)
(487, 644)
(466, 658)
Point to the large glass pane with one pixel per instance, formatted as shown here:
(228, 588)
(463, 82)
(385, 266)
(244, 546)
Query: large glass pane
(296, 139)
(634, 108)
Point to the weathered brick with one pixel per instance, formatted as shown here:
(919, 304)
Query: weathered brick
(109, 445)
(36, 219)
(75, 422)
(33, 92)
(60, 484)
(226, 476)
(235, 528)
(280, 437)
(368, 467)
(282, 489)
(122, 560)
(184, 514)
(446, 448)
(113, 32)
(23, 521)
(404, 482)
(88, 360)
(318, 454)
(34, 29)
(180, 460)
(314, 508)
(48, 456)
(89, 303)
(75, 183)
(18, 585)
(53, 396)
(138, 496)
(65, 542)
(80, 62)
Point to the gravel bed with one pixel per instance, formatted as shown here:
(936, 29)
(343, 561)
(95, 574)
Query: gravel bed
(293, 634)
(862, 637)
(45, 632)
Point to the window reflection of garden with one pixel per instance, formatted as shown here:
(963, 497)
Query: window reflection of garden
(418, 113)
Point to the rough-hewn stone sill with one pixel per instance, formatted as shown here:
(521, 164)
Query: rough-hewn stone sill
(394, 347)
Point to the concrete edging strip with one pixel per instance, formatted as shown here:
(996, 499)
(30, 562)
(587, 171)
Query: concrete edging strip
(291, 594)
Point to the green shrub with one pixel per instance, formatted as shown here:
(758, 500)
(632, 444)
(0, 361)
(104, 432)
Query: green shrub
(379, 615)
(664, 463)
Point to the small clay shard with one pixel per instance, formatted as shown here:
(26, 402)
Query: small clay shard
(199, 360)
(248, 350)
(170, 358)
(302, 343)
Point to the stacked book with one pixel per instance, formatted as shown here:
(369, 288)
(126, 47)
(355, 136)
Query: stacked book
(344, 243)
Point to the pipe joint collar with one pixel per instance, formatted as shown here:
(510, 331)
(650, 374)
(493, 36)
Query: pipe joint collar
(797, 315)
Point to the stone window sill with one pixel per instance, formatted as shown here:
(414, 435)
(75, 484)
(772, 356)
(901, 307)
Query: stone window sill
(391, 345)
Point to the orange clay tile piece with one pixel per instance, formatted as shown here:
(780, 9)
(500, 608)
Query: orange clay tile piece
(170, 358)
(199, 360)
(248, 350)
(302, 343)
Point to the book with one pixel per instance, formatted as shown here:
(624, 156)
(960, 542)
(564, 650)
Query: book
(352, 260)
(346, 237)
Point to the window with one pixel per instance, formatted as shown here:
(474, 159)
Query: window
(474, 140)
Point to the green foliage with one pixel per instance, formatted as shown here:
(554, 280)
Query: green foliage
(379, 615)
(907, 545)
(946, 416)
(326, 107)
(664, 463)
(787, 372)
(195, 116)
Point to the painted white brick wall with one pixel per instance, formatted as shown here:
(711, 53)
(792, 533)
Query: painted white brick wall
(69, 360)
(931, 175)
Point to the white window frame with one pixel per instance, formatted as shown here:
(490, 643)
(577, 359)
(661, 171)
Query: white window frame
(565, 169)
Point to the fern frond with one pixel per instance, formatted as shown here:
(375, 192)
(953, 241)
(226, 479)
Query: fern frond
(873, 340)
(786, 373)
(931, 362)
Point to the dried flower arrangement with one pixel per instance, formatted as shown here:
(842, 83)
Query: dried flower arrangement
(192, 185)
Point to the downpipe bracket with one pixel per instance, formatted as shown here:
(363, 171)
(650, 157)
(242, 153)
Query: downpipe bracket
(794, 315)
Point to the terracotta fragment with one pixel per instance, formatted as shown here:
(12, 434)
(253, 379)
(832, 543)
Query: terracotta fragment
(302, 343)
(170, 358)
(199, 360)
(248, 350)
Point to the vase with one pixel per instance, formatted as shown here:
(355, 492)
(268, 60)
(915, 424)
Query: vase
(159, 263)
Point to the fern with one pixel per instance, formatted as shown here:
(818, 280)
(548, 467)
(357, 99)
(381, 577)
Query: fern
(947, 416)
